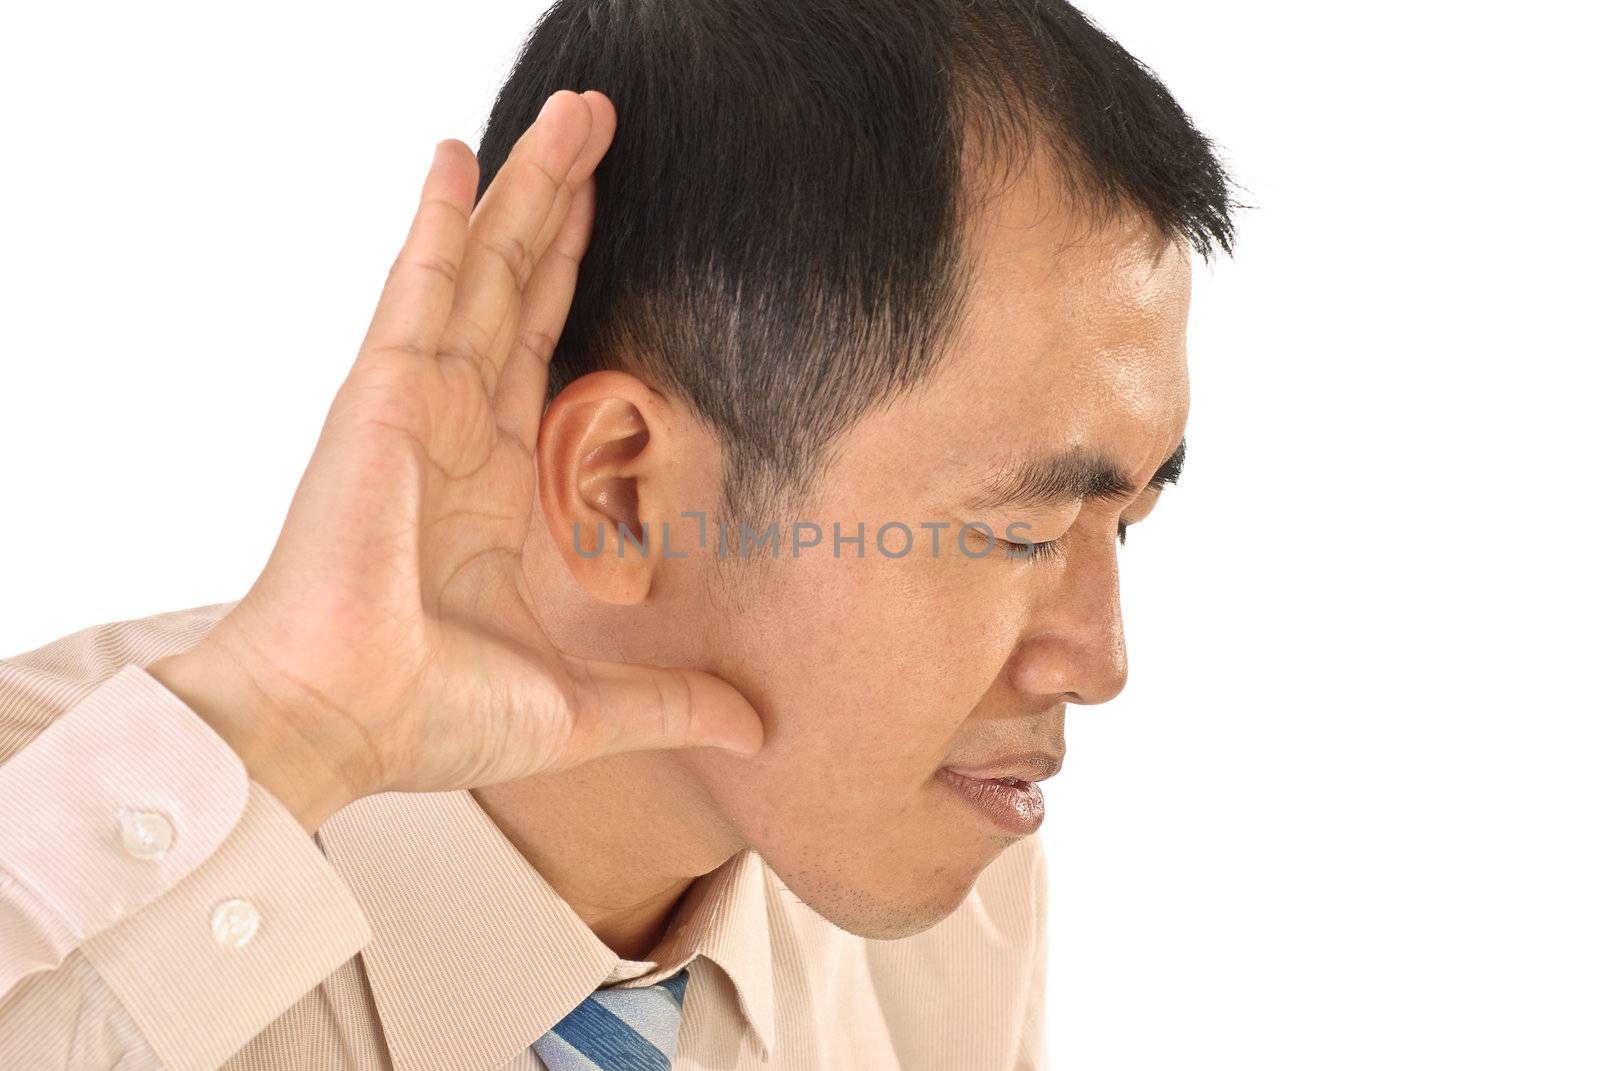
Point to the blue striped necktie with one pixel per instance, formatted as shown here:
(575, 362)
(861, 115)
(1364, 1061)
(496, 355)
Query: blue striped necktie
(618, 1029)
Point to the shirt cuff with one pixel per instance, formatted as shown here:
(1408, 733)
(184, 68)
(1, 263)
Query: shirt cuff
(131, 831)
(113, 803)
(234, 945)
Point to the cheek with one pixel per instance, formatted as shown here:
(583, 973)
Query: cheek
(868, 668)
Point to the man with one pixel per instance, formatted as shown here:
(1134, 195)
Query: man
(663, 656)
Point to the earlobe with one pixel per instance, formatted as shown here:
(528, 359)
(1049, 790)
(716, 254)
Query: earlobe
(594, 463)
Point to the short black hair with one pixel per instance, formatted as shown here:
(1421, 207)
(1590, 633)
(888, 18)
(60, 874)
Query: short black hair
(777, 239)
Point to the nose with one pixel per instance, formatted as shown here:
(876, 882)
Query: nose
(1073, 649)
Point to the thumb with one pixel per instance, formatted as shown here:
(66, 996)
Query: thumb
(627, 706)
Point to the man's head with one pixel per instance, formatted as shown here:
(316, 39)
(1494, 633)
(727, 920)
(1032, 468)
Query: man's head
(895, 268)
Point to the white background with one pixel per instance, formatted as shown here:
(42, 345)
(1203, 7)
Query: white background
(1344, 814)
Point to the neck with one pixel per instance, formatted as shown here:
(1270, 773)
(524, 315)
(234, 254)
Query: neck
(620, 839)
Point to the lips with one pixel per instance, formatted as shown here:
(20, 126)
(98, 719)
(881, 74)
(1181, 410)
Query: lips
(1014, 806)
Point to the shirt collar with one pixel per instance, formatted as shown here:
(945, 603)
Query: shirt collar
(474, 955)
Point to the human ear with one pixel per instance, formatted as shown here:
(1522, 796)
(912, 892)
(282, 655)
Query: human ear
(600, 454)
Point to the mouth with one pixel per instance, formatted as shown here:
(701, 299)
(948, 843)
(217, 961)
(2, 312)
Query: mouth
(1015, 805)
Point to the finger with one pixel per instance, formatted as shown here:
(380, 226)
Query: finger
(547, 299)
(558, 231)
(624, 706)
(519, 397)
(508, 230)
(418, 293)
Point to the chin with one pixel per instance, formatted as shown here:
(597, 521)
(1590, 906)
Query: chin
(884, 910)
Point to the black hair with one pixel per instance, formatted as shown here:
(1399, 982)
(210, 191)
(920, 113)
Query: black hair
(778, 232)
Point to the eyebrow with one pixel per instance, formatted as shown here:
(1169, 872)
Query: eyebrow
(1066, 476)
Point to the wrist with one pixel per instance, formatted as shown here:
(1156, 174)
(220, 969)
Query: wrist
(277, 755)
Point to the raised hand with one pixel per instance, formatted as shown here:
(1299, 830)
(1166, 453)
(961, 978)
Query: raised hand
(387, 644)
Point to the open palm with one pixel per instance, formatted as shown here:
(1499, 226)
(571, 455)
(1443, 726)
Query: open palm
(388, 625)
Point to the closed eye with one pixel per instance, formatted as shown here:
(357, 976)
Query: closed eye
(1045, 550)
(1050, 549)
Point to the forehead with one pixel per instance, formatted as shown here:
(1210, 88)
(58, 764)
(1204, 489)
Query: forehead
(1073, 335)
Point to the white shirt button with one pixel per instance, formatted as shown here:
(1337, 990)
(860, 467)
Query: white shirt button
(146, 834)
(234, 922)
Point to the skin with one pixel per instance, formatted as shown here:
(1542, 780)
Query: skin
(1075, 337)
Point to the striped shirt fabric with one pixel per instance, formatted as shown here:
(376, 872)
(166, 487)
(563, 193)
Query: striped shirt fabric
(160, 909)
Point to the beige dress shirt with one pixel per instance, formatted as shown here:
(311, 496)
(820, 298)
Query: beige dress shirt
(159, 909)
